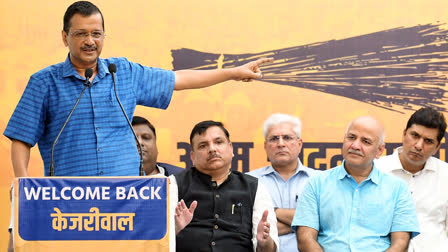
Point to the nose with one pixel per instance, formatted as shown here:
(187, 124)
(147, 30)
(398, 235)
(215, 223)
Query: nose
(140, 140)
(419, 144)
(212, 148)
(356, 144)
(89, 39)
(281, 142)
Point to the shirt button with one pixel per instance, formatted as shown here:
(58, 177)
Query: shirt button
(216, 226)
(94, 106)
(216, 216)
(214, 184)
(99, 149)
(217, 196)
(354, 209)
(97, 128)
(213, 243)
(101, 173)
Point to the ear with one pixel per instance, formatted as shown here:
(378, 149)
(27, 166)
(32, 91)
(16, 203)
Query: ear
(437, 149)
(300, 144)
(64, 37)
(380, 150)
(192, 156)
(231, 146)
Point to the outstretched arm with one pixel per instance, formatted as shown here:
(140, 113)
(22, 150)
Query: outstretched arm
(190, 79)
(264, 240)
(184, 215)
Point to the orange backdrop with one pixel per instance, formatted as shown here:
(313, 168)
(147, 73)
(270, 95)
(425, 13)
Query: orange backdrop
(147, 31)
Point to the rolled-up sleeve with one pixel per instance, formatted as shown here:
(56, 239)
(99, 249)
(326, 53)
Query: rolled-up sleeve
(307, 210)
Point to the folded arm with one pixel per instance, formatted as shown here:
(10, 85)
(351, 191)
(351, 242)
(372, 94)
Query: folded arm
(284, 220)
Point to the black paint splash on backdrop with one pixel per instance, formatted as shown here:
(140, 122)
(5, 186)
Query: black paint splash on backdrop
(398, 69)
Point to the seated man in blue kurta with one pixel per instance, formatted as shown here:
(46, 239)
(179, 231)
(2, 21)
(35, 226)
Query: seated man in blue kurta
(354, 206)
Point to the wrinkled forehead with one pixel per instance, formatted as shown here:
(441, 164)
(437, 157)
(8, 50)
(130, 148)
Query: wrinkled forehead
(89, 22)
(285, 128)
(210, 134)
(424, 131)
(364, 130)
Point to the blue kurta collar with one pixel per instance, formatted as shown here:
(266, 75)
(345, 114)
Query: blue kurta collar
(373, 176)
(69, 69)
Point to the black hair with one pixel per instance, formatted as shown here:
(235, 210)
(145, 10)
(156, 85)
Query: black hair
(137, 120)
(85, 8)
(429, 118)
(201, 127)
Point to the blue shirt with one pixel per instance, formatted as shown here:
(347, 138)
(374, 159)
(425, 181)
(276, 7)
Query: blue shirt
(97, 141)
(352, 217)
(285, 194)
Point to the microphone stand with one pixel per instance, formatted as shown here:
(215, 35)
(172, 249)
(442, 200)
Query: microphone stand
(113, 70)
(88, 73)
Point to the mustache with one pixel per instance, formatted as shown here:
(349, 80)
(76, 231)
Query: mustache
(213, 155)
(356, 152)
(89, 47)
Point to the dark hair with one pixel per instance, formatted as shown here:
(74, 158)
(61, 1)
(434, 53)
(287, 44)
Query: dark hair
(137, 120)
(429, 118)
(201, 127)
(85, 8)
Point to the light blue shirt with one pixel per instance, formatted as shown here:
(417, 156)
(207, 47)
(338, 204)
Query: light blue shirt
(285, 194)
(352, 217)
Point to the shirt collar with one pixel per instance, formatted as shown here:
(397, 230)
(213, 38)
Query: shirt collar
(300, 168)
(428, 165)
(69, 69)
(373, 176)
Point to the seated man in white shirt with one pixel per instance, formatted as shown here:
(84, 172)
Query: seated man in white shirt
(426, 176)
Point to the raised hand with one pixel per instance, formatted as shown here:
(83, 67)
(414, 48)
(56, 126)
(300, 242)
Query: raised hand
(184, 215)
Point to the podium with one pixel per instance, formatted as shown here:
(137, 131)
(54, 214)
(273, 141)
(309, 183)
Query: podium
(93, 214)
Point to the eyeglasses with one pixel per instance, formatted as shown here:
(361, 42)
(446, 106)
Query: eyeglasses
(96, 35)
(286, 138)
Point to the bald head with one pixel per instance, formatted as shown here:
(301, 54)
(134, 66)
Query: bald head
(369, 121)
(363, 142)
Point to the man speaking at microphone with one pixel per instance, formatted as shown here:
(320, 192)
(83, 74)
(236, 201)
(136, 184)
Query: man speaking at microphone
(97, 140)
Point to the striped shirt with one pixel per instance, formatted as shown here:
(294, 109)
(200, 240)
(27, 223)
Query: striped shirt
(97, 141)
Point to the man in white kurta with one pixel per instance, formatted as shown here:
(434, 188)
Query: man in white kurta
(426, 176)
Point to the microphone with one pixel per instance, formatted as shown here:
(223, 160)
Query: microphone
(113, 69)
(88, 73)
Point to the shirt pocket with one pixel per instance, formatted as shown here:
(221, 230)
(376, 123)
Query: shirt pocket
(237, 216)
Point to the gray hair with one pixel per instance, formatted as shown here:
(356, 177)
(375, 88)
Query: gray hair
(276, 119)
